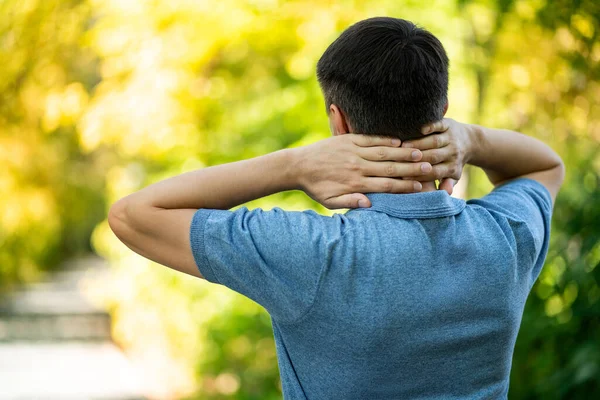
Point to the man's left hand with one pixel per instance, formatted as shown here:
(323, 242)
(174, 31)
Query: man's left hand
(337, 171)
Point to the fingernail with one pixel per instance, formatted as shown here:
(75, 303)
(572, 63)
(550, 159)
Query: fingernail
(415, 155)
(417, 186)
(407, 144)
(425, 167)
(396, 142)
(363, 203)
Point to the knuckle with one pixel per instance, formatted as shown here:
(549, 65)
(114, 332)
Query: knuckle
(353, 165)
(387, 186)
(436, 141)
(381, 154)
(390, 170)
(434, 159)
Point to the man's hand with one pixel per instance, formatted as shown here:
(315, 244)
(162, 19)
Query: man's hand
(446, 145)
(337, 171)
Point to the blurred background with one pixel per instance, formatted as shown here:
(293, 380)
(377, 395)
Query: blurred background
(99, 98)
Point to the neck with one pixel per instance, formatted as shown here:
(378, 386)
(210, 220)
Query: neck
(428, 186)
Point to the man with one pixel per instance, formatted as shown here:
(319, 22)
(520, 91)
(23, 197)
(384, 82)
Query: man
(412, 293)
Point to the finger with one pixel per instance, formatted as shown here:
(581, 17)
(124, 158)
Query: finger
(382, 153)
(372, 140)
(436, 141)
(447, 184)
(390, 185)
(354, 200)
(439, 172)
(438, 126)
(436, 156)
(395, 169)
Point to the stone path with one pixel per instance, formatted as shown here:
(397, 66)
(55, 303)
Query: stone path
(55, 345)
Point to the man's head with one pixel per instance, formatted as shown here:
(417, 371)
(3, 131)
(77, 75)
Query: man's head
(384, 76)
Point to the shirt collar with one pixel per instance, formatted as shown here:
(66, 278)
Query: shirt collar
(433, 204)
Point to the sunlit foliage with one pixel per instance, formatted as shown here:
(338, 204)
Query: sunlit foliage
(52, 193)
(99, 98)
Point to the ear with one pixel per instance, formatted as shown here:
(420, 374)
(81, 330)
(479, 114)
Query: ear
(337, 121)
(445, 108)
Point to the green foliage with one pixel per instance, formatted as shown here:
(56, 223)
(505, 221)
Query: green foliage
(99, 98)
(558, 350)
(52, 194)
(236, 346)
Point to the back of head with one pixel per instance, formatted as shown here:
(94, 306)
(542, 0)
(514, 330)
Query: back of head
(388, 76)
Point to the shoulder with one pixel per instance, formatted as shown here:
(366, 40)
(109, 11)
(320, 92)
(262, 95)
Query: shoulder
(521, 198)
(523, 209)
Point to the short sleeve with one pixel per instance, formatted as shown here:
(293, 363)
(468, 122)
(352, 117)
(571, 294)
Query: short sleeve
(275, 258)
(527, 206)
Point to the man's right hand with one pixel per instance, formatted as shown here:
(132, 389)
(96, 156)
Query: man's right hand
(446, 145)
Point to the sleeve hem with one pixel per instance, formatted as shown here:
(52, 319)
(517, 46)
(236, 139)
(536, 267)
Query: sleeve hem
(197, 241)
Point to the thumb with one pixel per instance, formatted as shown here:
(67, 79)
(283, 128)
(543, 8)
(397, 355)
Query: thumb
(354, 200)
(447, 184)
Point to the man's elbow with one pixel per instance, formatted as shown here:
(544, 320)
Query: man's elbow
(124, 219)
(118, 219)
(129, 218)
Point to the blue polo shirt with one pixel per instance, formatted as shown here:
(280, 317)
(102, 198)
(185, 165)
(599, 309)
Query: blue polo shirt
(418, 297)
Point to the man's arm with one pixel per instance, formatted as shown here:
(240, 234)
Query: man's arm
(504, 155)
(155, 221)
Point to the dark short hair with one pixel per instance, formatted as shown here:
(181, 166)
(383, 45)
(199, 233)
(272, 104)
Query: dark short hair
(388, 76)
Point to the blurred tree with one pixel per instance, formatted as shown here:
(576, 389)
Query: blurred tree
(558, 351)
(557, 355)
(99, 98)
(55, 199)
(547, 86)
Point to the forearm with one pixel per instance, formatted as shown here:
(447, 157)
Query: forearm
(155, 222)
(505, 154)
(223, 186)
(336, 172)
